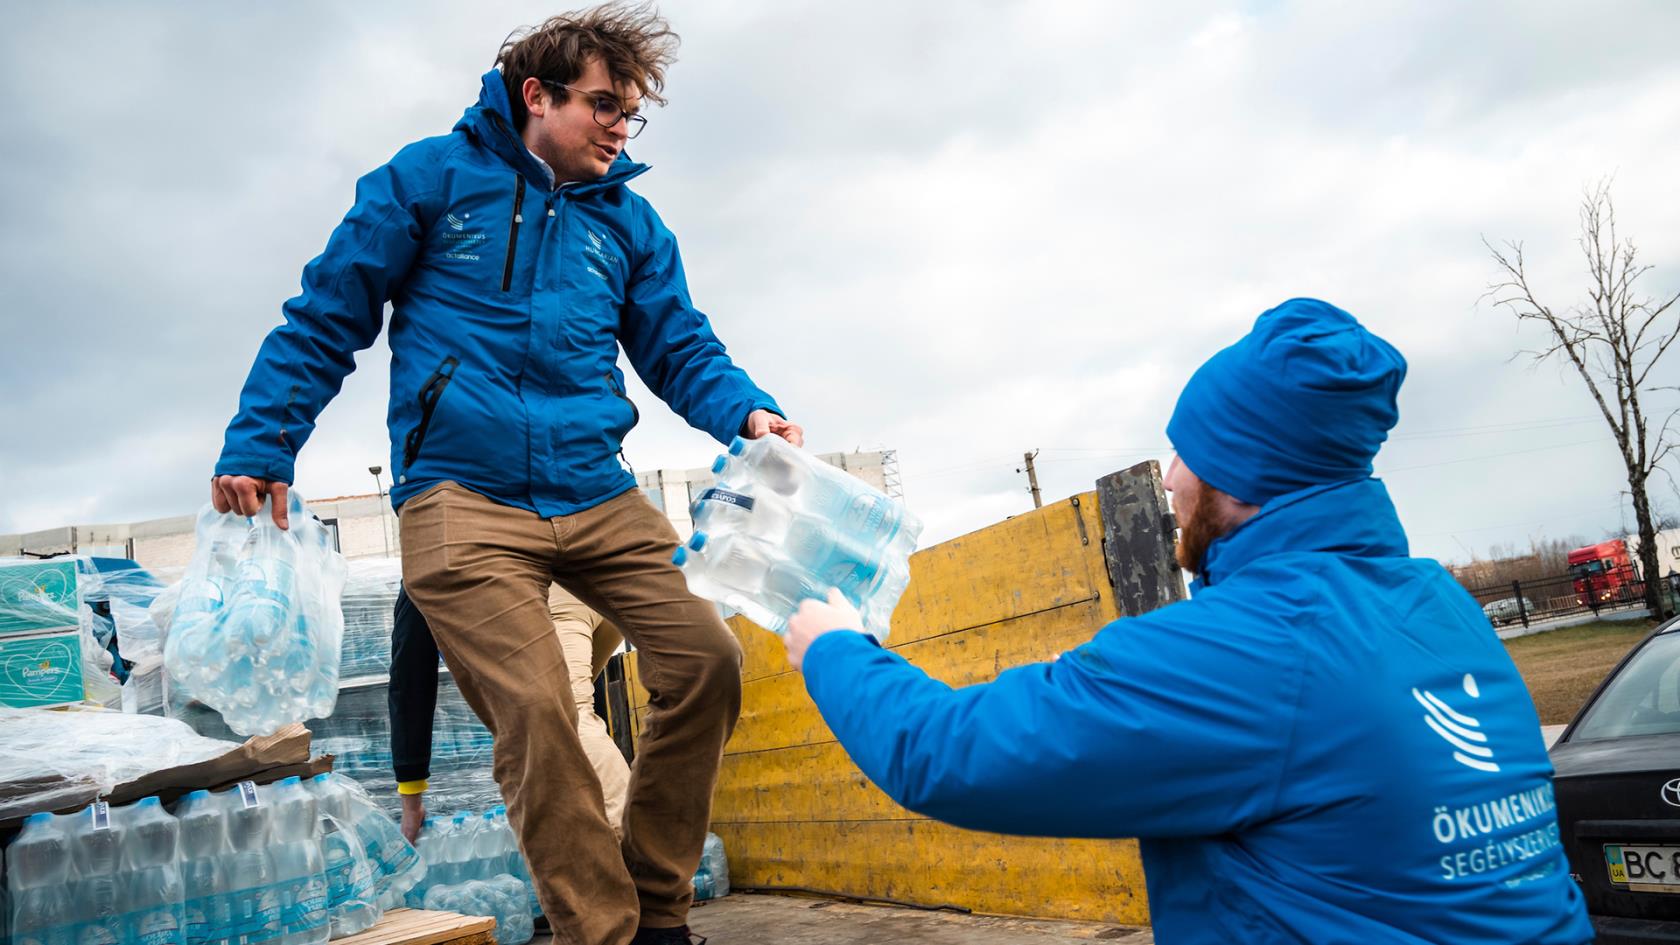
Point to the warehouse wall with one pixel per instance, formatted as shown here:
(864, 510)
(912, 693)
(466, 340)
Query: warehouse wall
(793, 810)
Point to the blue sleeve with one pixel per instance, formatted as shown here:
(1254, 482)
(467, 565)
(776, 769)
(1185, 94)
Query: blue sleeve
(1143, 732)
(672, 347)
(303, 362)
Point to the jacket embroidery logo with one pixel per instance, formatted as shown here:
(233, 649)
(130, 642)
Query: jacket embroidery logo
(1461, 731)
(461, 244)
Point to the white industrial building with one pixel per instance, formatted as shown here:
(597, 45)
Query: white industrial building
(366, 527)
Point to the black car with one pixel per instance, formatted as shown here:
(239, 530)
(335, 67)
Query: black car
(1618, 795)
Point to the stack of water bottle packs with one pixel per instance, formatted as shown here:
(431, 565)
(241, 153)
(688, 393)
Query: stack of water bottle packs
(291, 863)
(370, 596)
(256, 625)
(473, 867)
(781, 526)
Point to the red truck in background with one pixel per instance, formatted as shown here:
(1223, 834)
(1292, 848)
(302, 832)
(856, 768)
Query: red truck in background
(1605, 574)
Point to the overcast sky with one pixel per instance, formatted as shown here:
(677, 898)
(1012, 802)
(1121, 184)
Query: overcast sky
(961, 230)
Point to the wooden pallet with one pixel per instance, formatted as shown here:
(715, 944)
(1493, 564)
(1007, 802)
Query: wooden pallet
(419, 927)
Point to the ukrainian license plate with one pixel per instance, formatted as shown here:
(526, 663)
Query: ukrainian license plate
(1644, 869)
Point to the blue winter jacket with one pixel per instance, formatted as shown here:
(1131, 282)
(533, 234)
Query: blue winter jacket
(509, 304)
(1326, 744)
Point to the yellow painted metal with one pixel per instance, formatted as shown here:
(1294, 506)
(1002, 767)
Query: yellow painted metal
(794, 811)
(930, 863)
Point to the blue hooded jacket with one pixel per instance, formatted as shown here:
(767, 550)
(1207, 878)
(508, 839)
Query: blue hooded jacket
(1327, 744)
(509, 304)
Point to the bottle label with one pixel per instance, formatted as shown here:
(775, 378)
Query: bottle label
(743, 502)
(305, 905)
(248, 793)
(101, 813)
(158, 927)
(256, 914)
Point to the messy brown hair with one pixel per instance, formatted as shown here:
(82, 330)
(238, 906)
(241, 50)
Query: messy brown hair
(632, 39)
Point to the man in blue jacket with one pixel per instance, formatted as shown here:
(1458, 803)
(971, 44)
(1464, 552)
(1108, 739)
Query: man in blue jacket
(1325, 744)
(517, 262)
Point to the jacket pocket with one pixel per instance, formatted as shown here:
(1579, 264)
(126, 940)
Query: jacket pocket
(618, 391)
(513, 230)
(430, 393)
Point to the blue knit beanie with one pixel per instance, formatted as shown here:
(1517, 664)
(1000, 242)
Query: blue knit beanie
(1305, 399)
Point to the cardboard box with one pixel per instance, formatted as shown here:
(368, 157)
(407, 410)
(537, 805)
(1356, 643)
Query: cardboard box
(43, 669)
(36, 596)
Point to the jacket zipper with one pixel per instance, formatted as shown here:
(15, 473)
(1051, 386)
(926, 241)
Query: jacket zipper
(513, 229)
(612, 384)
(430, 393)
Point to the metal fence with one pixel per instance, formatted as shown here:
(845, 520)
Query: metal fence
(1538, 600)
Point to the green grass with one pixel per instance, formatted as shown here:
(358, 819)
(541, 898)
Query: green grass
(1563, 667)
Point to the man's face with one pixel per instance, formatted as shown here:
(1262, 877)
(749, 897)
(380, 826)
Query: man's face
(562, 130)
(1204, 514)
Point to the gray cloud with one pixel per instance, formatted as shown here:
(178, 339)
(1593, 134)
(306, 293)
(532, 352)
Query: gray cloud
(962, 230)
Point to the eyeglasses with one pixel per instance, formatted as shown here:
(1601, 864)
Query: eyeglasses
(607, 110)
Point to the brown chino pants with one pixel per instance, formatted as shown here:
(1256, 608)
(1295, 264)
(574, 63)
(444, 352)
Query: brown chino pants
(479, 571)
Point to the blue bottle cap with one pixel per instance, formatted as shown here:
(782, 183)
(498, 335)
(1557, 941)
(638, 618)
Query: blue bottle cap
(40, 817)
(698, 542)
(290, 781)
(321, 778)
(718, 464)
(736, 446)
(198, 795)
(680, 556)
(149, 802)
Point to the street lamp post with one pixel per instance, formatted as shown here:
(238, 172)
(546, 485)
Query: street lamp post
(379, 493)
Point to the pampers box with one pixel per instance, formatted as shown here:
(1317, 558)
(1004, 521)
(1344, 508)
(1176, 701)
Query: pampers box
(37, 596)
(43, 669)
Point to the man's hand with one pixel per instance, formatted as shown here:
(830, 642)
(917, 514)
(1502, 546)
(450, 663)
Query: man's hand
(244, 495)
(413, 815)
(816, 618)
(760, 422)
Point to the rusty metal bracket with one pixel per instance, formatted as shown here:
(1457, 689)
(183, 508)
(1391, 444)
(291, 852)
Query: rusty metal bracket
(1079, 519)
(1138, 539)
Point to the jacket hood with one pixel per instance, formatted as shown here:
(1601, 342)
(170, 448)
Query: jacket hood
(1345, 518)
(490, 122)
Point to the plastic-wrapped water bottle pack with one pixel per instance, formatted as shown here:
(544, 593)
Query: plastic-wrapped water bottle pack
(711, 880)
(257, 624)
(473, 867)
(291, 863)
(781, 526)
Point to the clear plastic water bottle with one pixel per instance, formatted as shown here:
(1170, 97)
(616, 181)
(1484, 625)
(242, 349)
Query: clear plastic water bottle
(730, 569)
(204, 860)
(713, 860)
(96, 841)
(40, 872)
(150, 890)
(351, 902)
(252, 880)
(298, 865)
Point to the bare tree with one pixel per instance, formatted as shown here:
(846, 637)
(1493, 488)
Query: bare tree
(1614, 340)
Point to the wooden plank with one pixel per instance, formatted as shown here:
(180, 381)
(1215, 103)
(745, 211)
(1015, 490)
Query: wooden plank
(933, 864)
(420, 927)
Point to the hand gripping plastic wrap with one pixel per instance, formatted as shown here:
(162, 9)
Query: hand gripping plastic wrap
(781, 526)
(257, 624)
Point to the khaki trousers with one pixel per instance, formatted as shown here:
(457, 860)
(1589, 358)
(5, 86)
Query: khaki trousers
(588, 642)
(480, 571)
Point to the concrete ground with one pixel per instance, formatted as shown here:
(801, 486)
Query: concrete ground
(795, 920)
(751, 919)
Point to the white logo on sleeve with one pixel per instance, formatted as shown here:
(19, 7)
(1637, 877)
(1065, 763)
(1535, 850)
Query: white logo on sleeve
(1461, 731)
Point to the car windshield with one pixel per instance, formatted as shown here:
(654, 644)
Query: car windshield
(1642, 699)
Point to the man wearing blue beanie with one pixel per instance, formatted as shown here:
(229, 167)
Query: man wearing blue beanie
(1326, 744)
